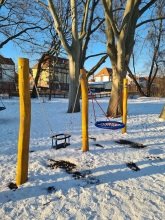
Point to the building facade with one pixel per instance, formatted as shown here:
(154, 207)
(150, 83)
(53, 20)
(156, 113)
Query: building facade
(105, 75)
(7, 75)
(54, 73)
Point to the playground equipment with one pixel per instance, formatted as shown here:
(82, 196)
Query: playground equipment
(2, 107)
(61, 140)
(84, 95)
(125, 98)
(112, 124)
(25, 119)
(106, 124)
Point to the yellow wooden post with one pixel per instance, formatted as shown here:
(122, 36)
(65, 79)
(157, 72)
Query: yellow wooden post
(25, 118)
(125, 96)
(84, 96)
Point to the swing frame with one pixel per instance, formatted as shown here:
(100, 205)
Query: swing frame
(108, 124)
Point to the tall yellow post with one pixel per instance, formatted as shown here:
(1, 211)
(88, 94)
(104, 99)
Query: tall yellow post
(125, 96)
(84, 95)
(25, 119)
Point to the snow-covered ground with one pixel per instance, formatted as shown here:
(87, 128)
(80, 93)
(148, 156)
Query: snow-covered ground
(108, 188)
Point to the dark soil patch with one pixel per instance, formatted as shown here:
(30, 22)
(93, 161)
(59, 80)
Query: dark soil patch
(133, 166)
(78, 175)
(66, 165)
(81, 175)
(70, 169)
(92, 138)
(51, 189)
(153, 157)
(130, 143)
(99, 145)
(12, 186)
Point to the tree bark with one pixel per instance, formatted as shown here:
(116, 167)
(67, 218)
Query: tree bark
(74, 93)
(162, 114)
(120, 42)
(39, 69)
(115, 103)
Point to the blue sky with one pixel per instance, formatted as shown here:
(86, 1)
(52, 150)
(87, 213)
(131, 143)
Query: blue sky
(12, 51)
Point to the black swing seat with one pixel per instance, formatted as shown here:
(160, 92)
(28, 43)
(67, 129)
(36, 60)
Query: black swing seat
(2, 108)
(61, 140)
(113, 125)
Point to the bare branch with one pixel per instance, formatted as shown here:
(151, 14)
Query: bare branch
(144, 9)
(135, 81)
(42, 4)
(127, 17)
(149, 20)
(97, 26)
(74, 19)
(19, 33)
(2, 2)
(110, 17)
(58, 26)
(101, 61)
(89, 32)
(85, 18)
(95, 55)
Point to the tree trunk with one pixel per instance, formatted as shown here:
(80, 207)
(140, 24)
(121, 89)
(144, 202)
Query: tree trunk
(74, 93)
(162, 114)
(148, 94)
(115, 103)
(39, 69)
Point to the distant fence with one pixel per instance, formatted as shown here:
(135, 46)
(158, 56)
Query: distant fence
(9, 89)
(156, 90)
(64, 94)
(54, 94)
(102, 94)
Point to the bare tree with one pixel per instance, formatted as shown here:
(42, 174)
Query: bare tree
(154, 42)
(81, 20)
(22, 23)
(27, 25)
(120, 42)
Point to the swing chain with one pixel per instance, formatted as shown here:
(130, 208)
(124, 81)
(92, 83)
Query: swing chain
(42, 107)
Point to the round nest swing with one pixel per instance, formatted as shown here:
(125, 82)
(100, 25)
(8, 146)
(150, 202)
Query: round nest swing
(113, 125)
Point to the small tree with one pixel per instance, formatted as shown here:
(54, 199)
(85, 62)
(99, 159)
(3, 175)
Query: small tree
(155, 39)
(155, 50)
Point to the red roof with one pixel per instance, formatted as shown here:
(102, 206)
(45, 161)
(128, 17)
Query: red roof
(104, 72)
(4, 60)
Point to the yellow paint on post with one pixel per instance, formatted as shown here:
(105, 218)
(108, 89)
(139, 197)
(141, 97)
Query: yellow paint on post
(25, 119)
(84, 96)
(125, 97)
